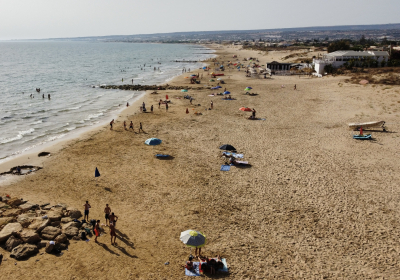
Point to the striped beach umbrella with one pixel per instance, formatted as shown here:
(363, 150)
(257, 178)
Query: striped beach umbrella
(193, 238)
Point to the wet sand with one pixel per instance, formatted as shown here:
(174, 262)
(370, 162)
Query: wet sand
(314, 204)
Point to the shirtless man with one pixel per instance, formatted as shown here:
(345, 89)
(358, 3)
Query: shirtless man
(113, 219)
(107, 211)
(112, 233)
(131, 126)
(87, 206)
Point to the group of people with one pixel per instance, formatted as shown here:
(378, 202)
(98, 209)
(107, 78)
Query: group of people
(111, 221)
(130, 126)
(206, 265)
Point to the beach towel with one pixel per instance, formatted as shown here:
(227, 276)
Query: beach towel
(225, 167)
(242, 162)
(196, 271)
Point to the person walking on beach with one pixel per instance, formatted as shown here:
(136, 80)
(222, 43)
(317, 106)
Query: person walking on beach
(212, 105)
(107, 211)
(111, 124)
(112, 233)
(295, 87)
(151, 108)
(97, 230)
(87, 206)
(131, 126)
(113, 219)
(253, 112)
(159, 104)
(140, 127)
(125, 125)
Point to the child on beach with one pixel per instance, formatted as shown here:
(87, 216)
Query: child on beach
(131, 126)
(111, 124)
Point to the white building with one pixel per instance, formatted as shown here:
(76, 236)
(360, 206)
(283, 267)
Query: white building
(338, 58)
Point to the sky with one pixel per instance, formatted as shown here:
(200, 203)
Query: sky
(40, 19)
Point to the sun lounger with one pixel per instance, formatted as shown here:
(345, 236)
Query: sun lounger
(162, 156)
(196, 271)
(233, 154)
(225, 167)
(241, 162)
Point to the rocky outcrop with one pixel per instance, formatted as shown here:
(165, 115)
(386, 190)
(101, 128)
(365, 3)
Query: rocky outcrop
(28, 206)
(29, 236)
(74, 213)
(50, 233)
(70, 229)
(15, 201)
(64, 220)
(8, 230)
(12, 242)
(38, 224)
(5, 220)
(49, 248)
(55, 215)
(26, 219)
(62, 238)
(24, 251)
(146, 87)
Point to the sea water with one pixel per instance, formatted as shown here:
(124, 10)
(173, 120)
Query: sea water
(72, 73)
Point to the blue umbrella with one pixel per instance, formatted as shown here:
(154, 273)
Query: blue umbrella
(250, 87)
(227, 92)
(153, 141)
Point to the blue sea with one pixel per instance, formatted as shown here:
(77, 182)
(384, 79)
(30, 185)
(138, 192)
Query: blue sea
(71, 72)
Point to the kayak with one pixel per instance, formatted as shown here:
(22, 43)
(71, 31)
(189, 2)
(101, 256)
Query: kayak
(363, 137)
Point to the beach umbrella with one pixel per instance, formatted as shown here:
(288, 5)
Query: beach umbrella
(227, 147)
(193, 238)
(153, 141)
(250, 87)
(245, 109)
(227, 92)
(247, 89)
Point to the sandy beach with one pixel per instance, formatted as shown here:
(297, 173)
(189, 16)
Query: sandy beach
(315, 203)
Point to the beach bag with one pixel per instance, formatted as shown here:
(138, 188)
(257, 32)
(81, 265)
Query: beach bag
(83, 235)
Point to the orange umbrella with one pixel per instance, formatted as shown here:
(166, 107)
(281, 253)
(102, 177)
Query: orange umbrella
(245, 109)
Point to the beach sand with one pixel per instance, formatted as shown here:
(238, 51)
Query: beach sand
(315, 204)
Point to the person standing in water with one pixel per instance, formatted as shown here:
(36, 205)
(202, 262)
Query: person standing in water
(48, 96)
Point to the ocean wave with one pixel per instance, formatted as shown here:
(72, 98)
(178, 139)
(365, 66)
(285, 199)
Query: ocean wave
(37, 122)
(8, 140)
(27, 131)
(93, 116)
(52, 138)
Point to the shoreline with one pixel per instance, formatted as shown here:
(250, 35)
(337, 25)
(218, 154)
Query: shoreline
(30, 157)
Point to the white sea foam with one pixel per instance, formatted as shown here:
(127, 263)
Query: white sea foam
(93, 116)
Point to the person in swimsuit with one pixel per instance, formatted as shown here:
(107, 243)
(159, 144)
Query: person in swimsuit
(107, 211)
(212, 105)
(113, 234)
(140, 127)
(97, 230)
(125, 125)
(113, 219)
(189, 264)
(111, 124)
(131, 126)
(87, 206)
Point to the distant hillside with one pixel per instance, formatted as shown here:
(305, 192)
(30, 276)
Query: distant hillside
(223, 33)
